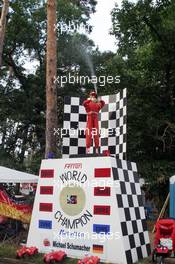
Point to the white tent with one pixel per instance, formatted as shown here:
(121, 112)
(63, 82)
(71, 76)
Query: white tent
(13, 176)
(172, 179)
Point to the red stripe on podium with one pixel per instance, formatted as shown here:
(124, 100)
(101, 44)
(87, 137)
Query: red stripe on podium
(102, 172)
(49, 173)
(45, 207)
(102, 210)
(102, 191)
(46, 190)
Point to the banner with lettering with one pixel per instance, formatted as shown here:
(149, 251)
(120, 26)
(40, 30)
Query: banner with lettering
(10, 209)
(84, 206)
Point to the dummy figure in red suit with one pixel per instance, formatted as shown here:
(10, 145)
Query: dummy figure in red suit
(92, 106)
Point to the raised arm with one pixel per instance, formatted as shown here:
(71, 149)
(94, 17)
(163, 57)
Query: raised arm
(86, 102)
(101, 103)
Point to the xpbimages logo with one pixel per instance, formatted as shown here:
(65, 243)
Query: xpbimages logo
(84, 80)
(72, 27)
(103, 132)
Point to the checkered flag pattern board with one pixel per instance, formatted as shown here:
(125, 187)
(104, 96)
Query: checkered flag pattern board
(131, 211)
(112, 124)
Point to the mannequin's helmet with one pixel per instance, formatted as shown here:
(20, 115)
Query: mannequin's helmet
(94, 94)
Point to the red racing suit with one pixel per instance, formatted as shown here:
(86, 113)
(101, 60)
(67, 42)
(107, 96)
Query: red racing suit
(92, 109)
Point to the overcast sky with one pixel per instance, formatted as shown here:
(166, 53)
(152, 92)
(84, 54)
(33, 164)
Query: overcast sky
(101, 22)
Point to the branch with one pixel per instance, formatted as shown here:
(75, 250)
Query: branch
(10, 62)
(147, 22)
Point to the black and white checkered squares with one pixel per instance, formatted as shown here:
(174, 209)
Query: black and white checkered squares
(112, 124)
(131, 210)
(74, 126)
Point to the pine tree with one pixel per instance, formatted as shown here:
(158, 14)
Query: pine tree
(51, 71)
(3, 26)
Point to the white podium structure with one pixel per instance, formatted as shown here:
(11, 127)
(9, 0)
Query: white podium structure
(90, 206)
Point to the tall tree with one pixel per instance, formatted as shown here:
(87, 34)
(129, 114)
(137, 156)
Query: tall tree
(51, 72)
(23, 92)
(146, 43)
(3, 19)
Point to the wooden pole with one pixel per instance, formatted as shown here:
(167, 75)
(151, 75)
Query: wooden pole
(51, 74)
(3, 20)
(163, 210)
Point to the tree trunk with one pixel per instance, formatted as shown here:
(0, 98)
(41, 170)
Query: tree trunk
(51, 72)
(3, 19)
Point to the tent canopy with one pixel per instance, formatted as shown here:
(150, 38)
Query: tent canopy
(172, 179)
(13, 176)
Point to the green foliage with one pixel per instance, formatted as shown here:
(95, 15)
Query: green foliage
(145, 62)
(22, 93)
(147, 45)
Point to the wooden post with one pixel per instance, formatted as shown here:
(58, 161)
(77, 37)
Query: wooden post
(3, 26)
(51, 72)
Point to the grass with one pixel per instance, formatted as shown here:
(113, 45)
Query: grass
(9, 251)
